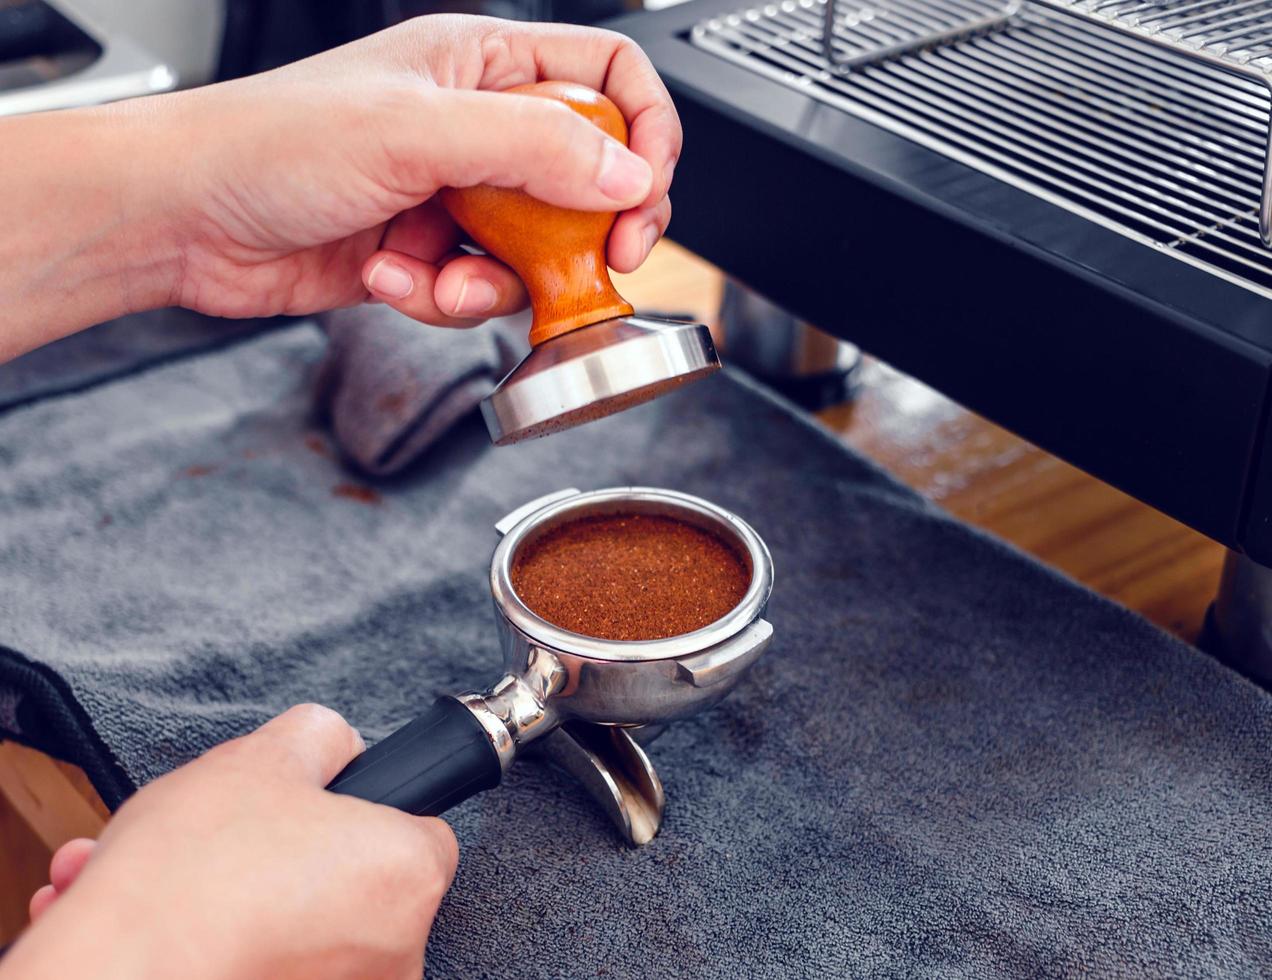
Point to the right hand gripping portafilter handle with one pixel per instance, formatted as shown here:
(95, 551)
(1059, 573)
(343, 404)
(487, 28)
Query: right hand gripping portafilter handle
(558, 253)
(437, 761)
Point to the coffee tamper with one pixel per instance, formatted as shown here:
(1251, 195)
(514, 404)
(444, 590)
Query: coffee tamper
(590, 356)
(587, 703)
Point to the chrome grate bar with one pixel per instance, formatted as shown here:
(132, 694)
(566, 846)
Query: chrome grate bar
(867, 33)
(1235, 35)
(1236, 31)
(1164, 149)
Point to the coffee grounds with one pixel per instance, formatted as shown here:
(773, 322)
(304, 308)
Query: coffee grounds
(629, 577)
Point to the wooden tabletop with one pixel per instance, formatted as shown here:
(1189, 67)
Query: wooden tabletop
(975, 469)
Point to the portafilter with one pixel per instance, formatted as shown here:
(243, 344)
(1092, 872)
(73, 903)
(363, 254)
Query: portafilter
(589, 703)
(589, 357)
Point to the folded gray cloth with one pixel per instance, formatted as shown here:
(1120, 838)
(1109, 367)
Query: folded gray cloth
(392, 387)
(951, 762)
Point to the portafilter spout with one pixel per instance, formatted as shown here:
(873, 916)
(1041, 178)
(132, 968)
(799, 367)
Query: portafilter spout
(588, 702)
(590, 357)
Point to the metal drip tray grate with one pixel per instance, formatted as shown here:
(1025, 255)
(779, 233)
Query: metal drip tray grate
(1165, 149)
(1236, 32)
(856, 34)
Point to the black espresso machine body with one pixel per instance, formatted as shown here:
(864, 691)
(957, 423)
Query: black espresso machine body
(1146, 371)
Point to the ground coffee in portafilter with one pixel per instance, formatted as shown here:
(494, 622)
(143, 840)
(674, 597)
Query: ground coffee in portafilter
(630, 577)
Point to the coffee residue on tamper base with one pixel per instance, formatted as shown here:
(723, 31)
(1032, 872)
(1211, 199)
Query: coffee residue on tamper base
(630, 577)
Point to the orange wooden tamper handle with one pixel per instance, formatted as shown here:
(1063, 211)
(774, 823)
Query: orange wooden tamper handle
(558, 253)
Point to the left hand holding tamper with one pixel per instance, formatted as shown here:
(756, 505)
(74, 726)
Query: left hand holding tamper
(240, 864)
(310, 187)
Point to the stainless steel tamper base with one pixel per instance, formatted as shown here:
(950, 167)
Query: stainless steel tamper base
(596, 371)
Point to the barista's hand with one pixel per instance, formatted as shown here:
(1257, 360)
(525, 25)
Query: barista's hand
(309, 187)
(305, 188)
(240, 864)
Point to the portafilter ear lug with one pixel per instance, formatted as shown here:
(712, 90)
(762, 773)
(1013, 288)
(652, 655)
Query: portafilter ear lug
(726, 661)
(615, 771)
(513, 518)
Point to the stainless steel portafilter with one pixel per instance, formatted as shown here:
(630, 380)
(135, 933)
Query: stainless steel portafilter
(589, 357)
(589, 703)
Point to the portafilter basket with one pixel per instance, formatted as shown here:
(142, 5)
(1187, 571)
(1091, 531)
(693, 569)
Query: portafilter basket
(589, 703)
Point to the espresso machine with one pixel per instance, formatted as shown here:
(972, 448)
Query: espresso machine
(1057, 213)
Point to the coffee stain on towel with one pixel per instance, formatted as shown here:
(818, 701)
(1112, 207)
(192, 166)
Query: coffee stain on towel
(317, 444)
(359, 494)
(394, 403)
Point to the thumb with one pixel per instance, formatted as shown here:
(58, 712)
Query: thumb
(309, 742)
(520, 141)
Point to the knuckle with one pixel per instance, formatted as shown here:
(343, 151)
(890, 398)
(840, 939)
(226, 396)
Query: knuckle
(673, 121)
(618, 44)
(321, 726)
(561, 131)
(225, 760)
(433, 852)
(498, 57)
(318, 715)
(231, 752)
(556, 119)
(396, 124)
(415, 861)
(445, 843)
(434, 847)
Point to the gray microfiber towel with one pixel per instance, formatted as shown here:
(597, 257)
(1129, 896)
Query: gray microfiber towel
(115, 349)
(392, 387)
(951, 761)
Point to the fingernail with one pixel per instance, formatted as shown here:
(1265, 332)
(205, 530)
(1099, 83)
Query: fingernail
(361, 742)
(476, 296)
(390, 280)
(651, 237)
(669, 171)
(623, 175)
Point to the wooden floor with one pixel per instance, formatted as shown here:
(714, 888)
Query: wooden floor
(973, 468)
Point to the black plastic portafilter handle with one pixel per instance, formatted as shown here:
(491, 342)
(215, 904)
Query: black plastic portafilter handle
(440, 759)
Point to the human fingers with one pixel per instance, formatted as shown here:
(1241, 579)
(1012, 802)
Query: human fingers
(635, 233)
(478, 286)
(309, 741)
(41, 901)
(407, 284)
(603, 60)
(465, 287)
(68, 861)
(506, 139)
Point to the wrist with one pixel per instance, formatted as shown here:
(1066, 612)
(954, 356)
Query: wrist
(88, 236)
(143, 152)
